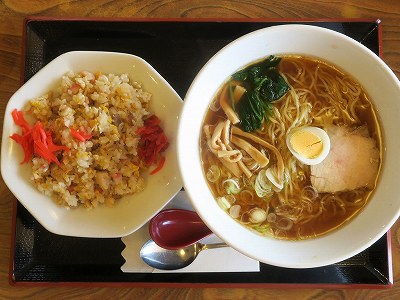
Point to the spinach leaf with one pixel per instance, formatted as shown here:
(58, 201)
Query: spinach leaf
(256, 71)
(272, 87)
(251, 110)
(264, 85)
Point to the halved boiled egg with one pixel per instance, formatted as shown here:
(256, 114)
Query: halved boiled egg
(310, 145)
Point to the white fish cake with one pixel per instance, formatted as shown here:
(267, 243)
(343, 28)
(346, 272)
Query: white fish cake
(352, 163)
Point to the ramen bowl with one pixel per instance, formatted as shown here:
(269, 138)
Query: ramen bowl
(128, 213)
(383, 88)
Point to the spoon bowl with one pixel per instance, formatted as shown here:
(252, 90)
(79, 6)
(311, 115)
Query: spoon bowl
(177, 228)
(167, 259)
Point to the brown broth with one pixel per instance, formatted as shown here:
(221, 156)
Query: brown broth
(334, 217)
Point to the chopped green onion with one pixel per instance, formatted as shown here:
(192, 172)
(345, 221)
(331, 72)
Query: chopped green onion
(213, 173)
(262, 185)
(223, 203)
(231, 186)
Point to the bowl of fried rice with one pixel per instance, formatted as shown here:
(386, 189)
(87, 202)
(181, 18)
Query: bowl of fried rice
(89, 146)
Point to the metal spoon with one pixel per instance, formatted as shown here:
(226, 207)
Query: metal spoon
(165, 259)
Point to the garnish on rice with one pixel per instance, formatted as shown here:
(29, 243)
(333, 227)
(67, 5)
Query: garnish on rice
(153, 142)
(35, 140)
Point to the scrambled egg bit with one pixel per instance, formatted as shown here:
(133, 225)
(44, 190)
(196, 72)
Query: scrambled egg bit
(310, 145)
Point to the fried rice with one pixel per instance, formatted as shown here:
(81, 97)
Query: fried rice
(100, 169)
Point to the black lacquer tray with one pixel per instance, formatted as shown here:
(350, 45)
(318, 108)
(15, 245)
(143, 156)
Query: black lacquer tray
(177, 49)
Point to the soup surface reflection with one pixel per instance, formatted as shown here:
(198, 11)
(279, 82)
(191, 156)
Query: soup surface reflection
(262, 147)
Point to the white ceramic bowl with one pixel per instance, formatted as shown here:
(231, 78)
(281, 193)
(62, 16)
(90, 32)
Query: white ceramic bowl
(381, 84)
(130, 212)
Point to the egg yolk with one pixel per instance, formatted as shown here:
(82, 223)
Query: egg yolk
(306, 143)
